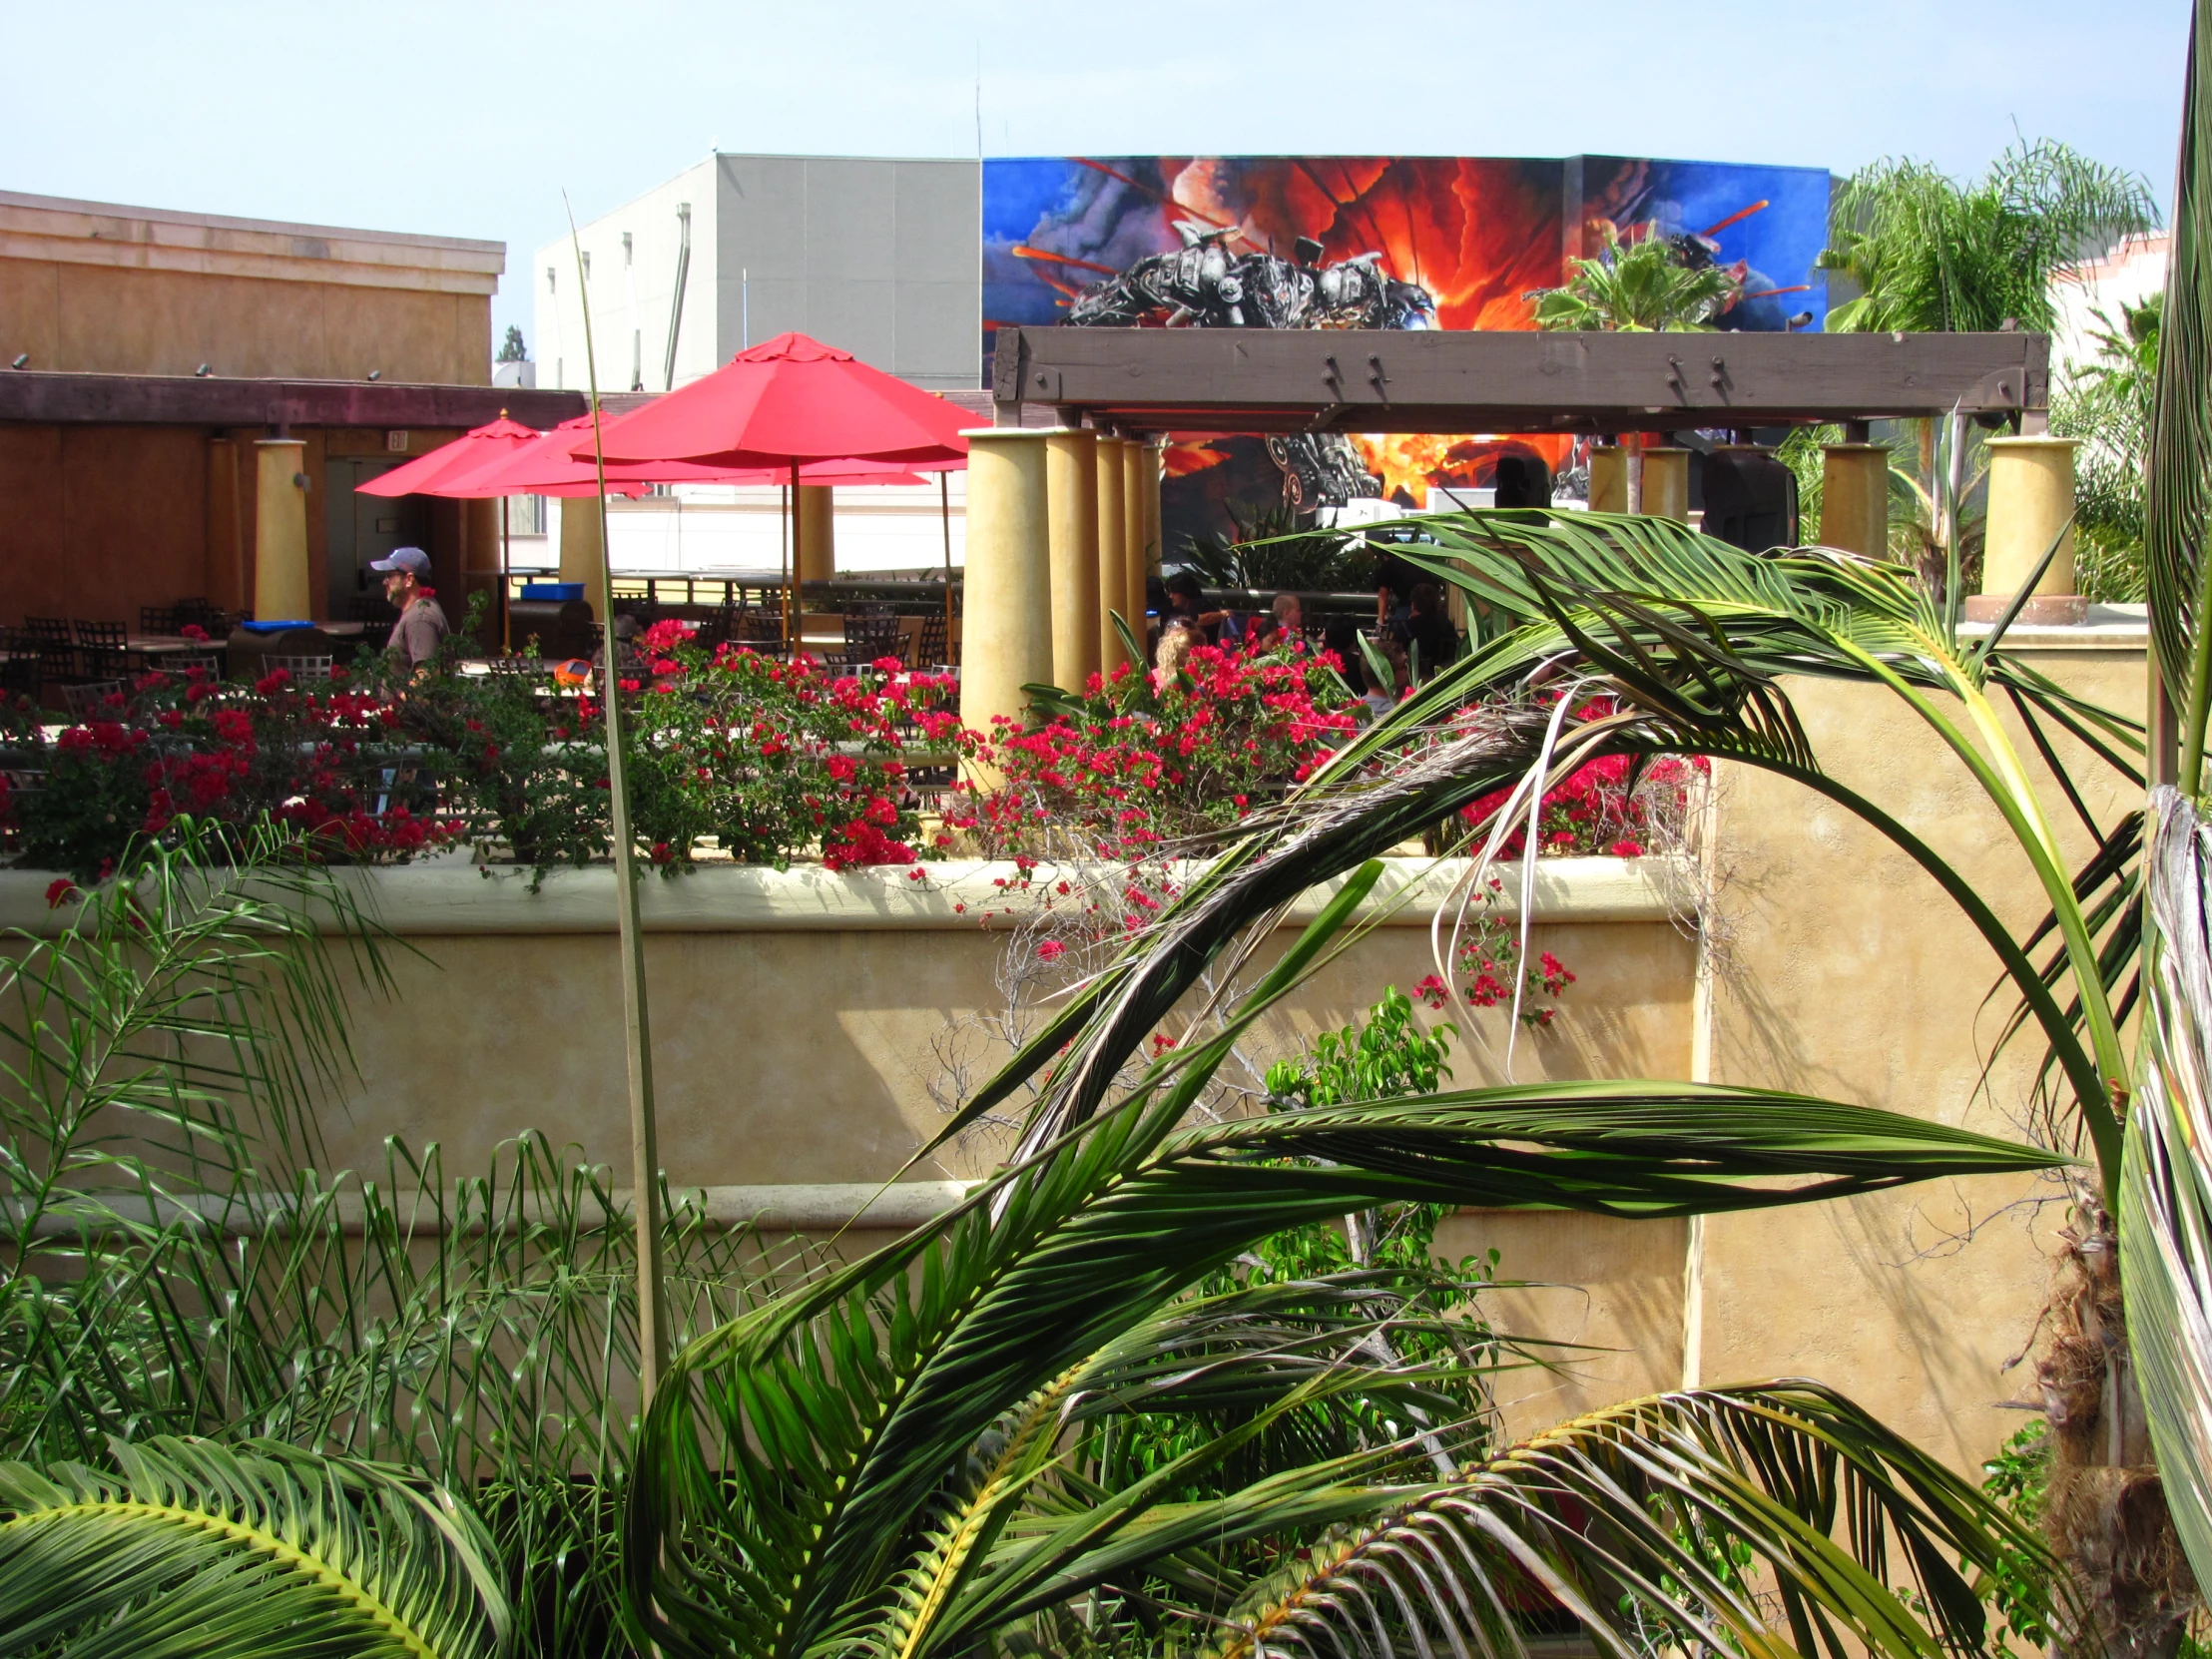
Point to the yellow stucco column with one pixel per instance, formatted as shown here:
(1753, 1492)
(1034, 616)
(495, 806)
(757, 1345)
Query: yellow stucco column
(1608, 478)
(1113, 580)
(1072, 505)
(1006, 628)
(1136, 562)
(1153, 472)
(1667, 485)
(1855, 498)
(818, 536)
(280, 532)
(2032, 484)
(582, 553)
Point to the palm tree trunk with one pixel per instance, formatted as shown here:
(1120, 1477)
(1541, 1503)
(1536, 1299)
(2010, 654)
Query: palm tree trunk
(2105, 1511)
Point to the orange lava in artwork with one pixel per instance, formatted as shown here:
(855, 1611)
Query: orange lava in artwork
(1415, 462)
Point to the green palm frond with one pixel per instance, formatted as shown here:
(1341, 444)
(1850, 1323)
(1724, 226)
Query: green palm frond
(2165, 1216)
(188, 1547)
(1698, 633)
(2178, 499)
(779, 1477)
(1636, 287)
(1652, 1524)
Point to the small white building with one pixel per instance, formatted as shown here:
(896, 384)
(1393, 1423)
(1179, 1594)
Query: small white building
(881, 257)
(2127, 276)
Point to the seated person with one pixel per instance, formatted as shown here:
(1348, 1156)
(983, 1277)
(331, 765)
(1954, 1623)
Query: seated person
(1176, 642)
(1286, 627)
(1394, 581)
(1341, 639)
(1433, 641)
(1187, 601)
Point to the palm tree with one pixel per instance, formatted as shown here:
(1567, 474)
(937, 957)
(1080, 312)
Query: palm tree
(1637, 286)
(199, 1356)
(894, 1460)
(1930, 255)
(2108, 407)
(185, 1292)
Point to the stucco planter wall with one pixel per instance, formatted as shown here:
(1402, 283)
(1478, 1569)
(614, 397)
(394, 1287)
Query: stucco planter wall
(805, 1025)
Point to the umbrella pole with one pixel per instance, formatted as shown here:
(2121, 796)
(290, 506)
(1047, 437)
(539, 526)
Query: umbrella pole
(791, 610)
(784, 563)
(945, 512)
(505, 643)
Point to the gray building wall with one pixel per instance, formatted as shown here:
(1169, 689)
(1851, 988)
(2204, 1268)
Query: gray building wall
(881, 257)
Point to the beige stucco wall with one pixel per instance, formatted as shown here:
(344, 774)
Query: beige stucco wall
(93, 287)
(790, 1053)
(1847, 972)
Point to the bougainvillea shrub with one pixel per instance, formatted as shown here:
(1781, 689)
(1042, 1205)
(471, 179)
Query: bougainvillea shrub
(326, 759)
(762, 759)
(1131, 766)
(1619, 806)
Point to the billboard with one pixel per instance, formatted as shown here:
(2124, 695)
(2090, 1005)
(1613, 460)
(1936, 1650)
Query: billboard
(1365, 241)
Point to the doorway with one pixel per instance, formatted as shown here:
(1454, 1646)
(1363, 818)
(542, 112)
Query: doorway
(365, 528)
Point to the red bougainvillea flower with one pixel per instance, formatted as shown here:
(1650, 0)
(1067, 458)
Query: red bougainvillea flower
(59, 892)
(1051, 950)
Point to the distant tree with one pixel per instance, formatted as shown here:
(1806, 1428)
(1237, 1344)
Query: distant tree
(2108, 404)
(1934, 255)
(511, 349)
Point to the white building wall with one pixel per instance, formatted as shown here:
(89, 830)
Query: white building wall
(881, 257)
(633, 288)
(711, 529)
(2127, 276)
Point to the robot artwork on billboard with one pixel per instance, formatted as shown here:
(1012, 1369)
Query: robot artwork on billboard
(1284, 241)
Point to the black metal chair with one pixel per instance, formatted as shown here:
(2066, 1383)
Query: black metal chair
(934, 648)
(306, 668)
(211, 620)
(103, 649)
(87, 698)
(159, 619)
(870, 637)
(18, 666)
(51, 638)
(761, 629)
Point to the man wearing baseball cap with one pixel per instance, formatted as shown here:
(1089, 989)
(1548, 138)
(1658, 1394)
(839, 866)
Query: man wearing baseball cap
(421, 625)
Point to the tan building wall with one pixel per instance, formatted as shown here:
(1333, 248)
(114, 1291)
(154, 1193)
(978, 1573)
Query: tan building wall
(1847, 973)
(96, 521)
(93, 287)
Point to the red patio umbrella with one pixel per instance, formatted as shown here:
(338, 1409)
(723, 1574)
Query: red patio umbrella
(792, 399)
(425, 474)
(549, 466)
(784, 404)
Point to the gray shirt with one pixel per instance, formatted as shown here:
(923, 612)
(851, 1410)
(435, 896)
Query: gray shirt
(414, 639)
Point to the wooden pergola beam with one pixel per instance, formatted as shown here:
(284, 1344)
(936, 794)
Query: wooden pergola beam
(187, 400)
(1456, 381)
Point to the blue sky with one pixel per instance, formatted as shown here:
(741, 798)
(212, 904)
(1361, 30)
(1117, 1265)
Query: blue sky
(471, 119)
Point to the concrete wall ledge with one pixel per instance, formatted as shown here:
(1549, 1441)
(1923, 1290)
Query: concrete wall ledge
(452, 898)
(816, 1207)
